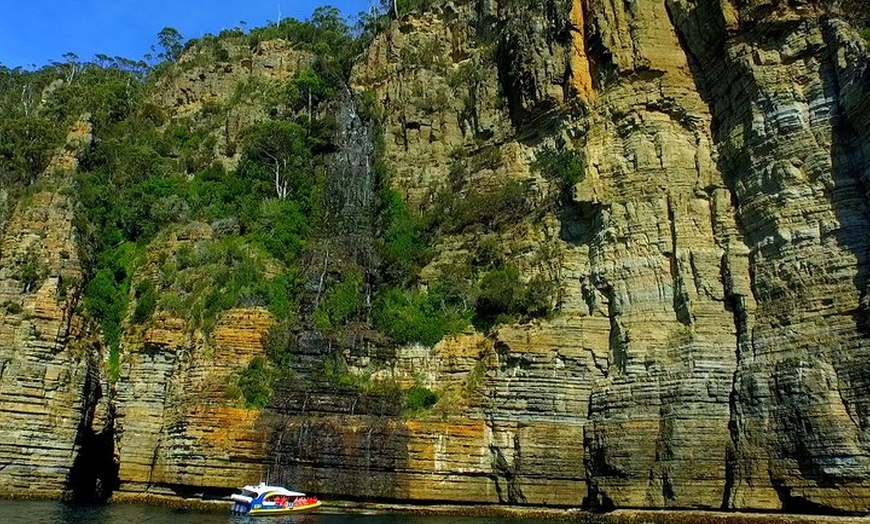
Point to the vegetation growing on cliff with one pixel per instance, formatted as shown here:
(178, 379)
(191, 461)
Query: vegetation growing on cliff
(178, 215)
(146, 174)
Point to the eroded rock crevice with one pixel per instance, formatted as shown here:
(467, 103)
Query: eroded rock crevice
(781, 129)
(706, 346)
(93, 476)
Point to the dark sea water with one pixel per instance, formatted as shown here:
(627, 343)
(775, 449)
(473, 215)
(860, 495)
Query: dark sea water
(44, 512)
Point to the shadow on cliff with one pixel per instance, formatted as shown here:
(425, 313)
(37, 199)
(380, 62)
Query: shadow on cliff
(94, 473)
(730, 88)
(336, 441)
(329, 434)
(849, 191)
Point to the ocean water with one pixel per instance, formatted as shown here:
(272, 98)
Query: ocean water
(46, 512)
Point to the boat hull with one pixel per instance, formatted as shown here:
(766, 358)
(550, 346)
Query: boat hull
(264, 511)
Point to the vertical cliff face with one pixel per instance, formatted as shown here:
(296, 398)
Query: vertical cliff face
(710, 340)
(50, 378)
(178, 430)
(664, 236)
(695, 181)
(638, 363)
(783, 83)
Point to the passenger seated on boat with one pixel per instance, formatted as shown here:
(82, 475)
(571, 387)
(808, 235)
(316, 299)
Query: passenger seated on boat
(303, 501)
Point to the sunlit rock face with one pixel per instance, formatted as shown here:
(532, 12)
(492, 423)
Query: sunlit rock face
(178, 431)
(708, 345)
(51, 392)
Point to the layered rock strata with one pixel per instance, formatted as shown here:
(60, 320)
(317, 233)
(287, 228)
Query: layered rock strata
(177, 429)
(50, 385)
(783, 85)
(708, 348)
(712, 269)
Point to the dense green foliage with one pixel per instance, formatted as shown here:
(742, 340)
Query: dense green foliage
(481, 289)
(404, 249)
(565, 166)
(339, 303)
(419, 398)
(411, 316)
(25, 149)
(165, 227)
(255, 382)
(147, 179)
(146, 301)
(107, 294)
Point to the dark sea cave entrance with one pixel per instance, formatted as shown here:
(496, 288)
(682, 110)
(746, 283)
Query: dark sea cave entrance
(94, 472)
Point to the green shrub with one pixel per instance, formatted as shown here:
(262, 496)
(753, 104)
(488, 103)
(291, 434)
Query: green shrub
(26, 147)
(339, 303)
(489, 208)
(538, 296)
(417, 317)
(11, 308)
(404, 250)
(31, 273)
(106, 300)
(277, 343)
(114, 365)
(334, 369)
(564, 166)
(212, 276)
(282, 228)
(504, 298)
(454, 288)
(418, 399)
(146, 301)
(172, 302)
(501, 291)
(282, 292)
(255, 382)
(487, 253)
(106, 296)
(370, 108)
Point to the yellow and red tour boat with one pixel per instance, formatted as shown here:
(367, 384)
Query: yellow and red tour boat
(263, 499)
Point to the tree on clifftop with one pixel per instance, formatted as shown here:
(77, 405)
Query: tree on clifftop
(170, 40)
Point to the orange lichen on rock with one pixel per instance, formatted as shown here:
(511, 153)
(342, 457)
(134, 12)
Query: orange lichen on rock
(166, 330)
(240, 332)
(581, 70)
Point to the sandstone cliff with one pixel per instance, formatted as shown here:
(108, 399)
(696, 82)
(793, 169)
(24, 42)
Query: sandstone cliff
(51, 390)
(708, 344)
(708, 347)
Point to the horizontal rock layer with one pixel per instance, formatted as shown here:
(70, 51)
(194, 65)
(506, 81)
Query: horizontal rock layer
(50, 383)
(710, 344)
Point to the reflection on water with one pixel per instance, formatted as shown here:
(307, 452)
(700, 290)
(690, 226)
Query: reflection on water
(45, 512)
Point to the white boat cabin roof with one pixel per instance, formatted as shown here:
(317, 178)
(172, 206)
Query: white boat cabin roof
(262, 487)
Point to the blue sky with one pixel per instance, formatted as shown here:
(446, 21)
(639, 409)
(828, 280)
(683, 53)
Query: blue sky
(39, 31)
